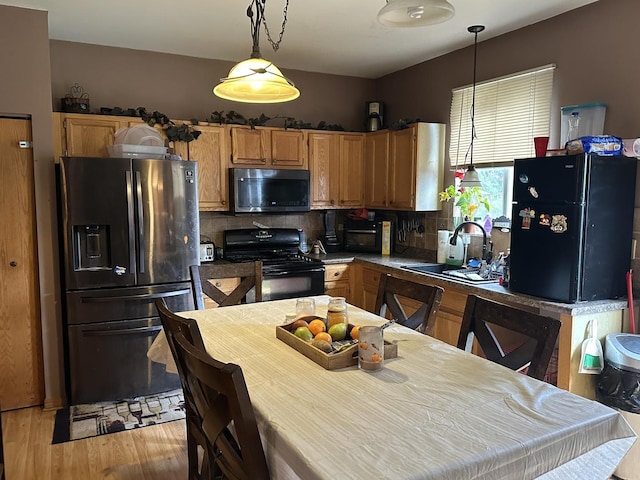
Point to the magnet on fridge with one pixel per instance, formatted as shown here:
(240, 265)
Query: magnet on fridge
(533, 192)
(558, 223)
(545, 219)
(527, 214)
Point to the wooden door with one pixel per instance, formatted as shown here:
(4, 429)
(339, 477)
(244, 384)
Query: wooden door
(322, 157)
(402, 166)
(21, 376)
(288, 149)
(351, 179)
(210, 151)
(89, 135)
(376, 172)
(249, 147)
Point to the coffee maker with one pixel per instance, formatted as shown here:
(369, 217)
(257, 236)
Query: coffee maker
(374, 120)
(330, 240)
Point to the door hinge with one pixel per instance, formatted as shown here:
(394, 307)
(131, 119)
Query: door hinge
(25, 144)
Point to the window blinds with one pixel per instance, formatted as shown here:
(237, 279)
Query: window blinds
(509, 112)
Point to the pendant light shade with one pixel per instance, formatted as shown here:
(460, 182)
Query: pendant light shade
(415, 13)
(256, 80)
(471, 178)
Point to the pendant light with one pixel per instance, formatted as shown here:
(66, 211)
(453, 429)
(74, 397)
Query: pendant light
(471, 178)
(257, 80)
(415, 13)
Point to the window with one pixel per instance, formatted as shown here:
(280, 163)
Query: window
(509, 112)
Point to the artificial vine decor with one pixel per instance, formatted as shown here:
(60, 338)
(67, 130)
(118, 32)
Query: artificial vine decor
(186, 132)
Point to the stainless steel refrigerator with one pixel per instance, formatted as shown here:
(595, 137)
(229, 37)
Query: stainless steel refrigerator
(129, 231)
(572, 226)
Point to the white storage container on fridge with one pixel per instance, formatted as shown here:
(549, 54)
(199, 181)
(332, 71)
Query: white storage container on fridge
(591, 120)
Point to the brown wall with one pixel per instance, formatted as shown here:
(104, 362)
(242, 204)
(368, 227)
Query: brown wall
(181, 87)
(25, 84)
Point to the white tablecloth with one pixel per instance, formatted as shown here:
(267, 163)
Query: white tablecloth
(434, 412)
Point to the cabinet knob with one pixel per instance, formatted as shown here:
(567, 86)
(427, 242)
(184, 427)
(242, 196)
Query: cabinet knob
(218, 284)
(332, 202)
(336, 274)
(13, 263)
(274, 160)
(224, 202)
(342, 202)
(263, 160)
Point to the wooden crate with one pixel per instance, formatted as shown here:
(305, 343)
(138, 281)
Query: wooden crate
(345, 358)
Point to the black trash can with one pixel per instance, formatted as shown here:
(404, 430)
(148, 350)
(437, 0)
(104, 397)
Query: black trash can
(618, 386)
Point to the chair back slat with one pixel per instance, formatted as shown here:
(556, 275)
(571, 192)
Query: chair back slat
(390, 292)
(228, 419)
(537, 335)
(249, 273)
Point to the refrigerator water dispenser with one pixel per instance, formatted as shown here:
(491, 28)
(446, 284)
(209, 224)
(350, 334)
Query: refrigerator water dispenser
(91, 247)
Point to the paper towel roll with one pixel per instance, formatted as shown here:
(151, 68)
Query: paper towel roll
(443, 241)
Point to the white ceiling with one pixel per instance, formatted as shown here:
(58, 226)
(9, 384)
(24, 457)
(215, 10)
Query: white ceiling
(340, 37)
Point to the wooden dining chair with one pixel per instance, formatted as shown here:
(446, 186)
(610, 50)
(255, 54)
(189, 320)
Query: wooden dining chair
(209, 279)
(228, 420)
(534, 341)
(391, 292)
(187, 327)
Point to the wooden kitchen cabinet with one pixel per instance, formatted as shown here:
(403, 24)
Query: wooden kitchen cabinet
(210, 151)
(86, 135)
(266, 147)
(336, 163)
(367, 280)
(414, 168)
(337, 281)
(376, 175)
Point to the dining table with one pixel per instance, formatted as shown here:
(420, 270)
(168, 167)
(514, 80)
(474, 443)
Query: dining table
(432, 412)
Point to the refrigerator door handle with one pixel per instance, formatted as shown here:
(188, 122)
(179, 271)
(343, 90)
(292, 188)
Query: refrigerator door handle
(130, 221)
(121, 331)
(140, 223)
(141, 296)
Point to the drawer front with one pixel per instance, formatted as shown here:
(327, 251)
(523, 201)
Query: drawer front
(333, 273)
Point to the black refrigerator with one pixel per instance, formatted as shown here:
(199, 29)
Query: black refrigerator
(572, 226)
(129, 232)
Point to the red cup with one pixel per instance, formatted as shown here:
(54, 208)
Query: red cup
(541, 144)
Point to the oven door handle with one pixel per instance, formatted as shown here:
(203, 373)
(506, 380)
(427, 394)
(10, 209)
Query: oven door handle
(121, 331)
(292, 272)
(362, 231)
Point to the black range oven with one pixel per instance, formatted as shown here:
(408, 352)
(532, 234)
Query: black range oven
(286, 273)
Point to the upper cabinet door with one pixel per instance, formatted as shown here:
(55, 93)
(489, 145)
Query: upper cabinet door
(351, 181)
(89, 135)
(210, 151)
(288, 148)
(322, 162)
(250, 146)
(402, 169)
(376, 175)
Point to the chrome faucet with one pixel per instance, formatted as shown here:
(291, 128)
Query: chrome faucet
(454, 237)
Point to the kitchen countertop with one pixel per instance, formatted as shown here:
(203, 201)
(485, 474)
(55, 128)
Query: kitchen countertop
(489, 290)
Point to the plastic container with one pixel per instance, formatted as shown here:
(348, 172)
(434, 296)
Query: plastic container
(589, 118)
(138, 135)
(122, 150)
(337, 311)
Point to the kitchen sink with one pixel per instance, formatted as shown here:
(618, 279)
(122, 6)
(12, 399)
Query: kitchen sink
(451, 272)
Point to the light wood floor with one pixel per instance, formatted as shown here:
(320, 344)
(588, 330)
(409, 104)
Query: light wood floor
(154, 452)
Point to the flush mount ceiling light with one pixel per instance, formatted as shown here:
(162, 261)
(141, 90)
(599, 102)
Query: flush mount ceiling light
(415, 13)
(471, 178)
(257, 80)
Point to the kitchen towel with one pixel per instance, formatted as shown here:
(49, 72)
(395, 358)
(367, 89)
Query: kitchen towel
(443, 240)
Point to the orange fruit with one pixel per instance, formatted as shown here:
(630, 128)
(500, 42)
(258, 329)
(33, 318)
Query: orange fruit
(323, 336)
(316, 326)
(355, 332)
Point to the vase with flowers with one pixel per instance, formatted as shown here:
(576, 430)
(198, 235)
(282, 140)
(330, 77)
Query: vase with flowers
(466, 199)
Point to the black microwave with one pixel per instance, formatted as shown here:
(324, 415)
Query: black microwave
(263, 190)
(367, 236)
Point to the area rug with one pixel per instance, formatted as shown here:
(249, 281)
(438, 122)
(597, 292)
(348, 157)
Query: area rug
(90, 420)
